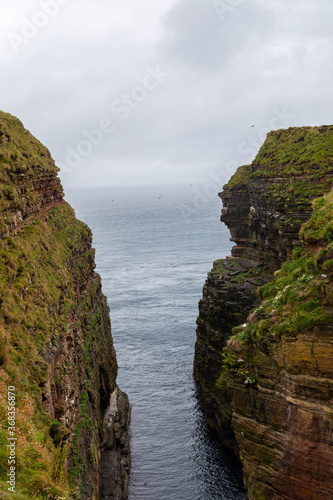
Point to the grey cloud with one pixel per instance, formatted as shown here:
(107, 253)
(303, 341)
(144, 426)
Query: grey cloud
(224, 75)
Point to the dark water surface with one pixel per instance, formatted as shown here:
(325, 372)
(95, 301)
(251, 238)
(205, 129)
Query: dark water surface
(154, 247)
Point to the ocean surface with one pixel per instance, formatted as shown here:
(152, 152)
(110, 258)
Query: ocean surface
(154, 246)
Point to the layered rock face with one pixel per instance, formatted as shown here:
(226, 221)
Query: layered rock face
(269, 391)
(55, 337)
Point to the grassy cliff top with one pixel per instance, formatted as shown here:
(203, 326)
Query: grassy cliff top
(37, 272)
(46, 260)
(28, 174)
(298, 160)
(36, 275)
(21, 154)
(296, 151)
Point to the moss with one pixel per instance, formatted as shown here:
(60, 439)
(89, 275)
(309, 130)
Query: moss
(58, 432)
(320, 227)
(241, 176)
(294, 301)
(84, 425)
(23, 162)
(296, 297)
(233, 271)
(292, 168)
(37, 289)
(78, 467)
(20, 152)
(300, 160)
(297, 151)
(328, 264)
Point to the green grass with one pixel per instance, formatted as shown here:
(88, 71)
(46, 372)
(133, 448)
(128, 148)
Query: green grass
(294, 302)
(21, 154)
(219, 270)
(297, 151)
(46, 263)
(301, 161)
(23, 161)
(319, 229)
(241, 176)
(37, 291)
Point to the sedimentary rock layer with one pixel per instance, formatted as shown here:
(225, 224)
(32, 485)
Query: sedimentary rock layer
(55, 337)
(269, 391)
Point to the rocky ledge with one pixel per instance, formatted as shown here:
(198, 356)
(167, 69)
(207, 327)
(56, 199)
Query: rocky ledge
(263, 358)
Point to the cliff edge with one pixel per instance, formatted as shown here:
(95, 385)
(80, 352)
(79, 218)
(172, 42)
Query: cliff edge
(263, 359)
(57, 361)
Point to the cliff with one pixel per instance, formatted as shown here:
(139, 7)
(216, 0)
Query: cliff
(263, 359)
(56, 351)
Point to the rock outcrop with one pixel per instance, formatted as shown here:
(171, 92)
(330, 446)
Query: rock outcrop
(264, 351)
(72, 421)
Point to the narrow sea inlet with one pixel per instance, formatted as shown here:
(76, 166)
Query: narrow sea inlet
(154, 246)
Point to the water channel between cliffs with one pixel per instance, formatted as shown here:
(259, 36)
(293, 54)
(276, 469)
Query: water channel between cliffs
(154, 247)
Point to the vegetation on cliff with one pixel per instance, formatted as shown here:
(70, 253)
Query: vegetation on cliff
(266, 319)
(24, 164)
(55, 334)
(297, 300)
(37, 298)
(281, 360)
(305, 151)
(290, 156)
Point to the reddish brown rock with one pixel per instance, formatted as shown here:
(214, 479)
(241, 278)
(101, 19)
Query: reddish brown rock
(56, 346)
(270, 394)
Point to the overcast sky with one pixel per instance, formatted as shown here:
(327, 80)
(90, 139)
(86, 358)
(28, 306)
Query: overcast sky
(163, 91)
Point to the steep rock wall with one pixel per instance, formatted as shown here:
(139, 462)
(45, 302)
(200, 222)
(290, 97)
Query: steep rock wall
(272, 402)
(55, 337)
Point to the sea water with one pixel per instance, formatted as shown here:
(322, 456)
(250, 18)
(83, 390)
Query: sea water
(154, 246)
